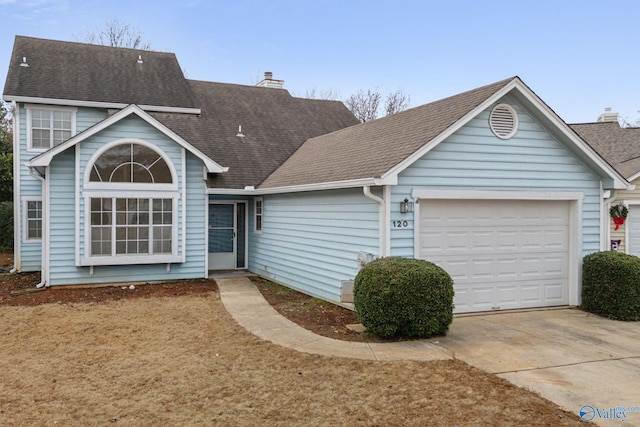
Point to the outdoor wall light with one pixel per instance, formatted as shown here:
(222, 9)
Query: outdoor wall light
(405, 206)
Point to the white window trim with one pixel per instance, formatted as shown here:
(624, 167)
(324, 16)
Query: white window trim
(25, 219)
(89, 185)
(131, 190)
(30, 107)
(257, 230)
(87, 259)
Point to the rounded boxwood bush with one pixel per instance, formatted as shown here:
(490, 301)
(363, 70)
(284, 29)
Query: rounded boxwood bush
(404, 297)
(611, 285)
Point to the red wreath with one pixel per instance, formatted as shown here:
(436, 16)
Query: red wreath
(619, 213)
(618, 221)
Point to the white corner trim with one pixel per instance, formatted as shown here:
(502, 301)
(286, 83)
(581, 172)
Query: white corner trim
(17, 220)
(182, 199)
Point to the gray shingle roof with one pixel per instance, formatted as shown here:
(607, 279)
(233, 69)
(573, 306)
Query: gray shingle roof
(85, 72)
(274, 123)
(618, 146)
(371, 149)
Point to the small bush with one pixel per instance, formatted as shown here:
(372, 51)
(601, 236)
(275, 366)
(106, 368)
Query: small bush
(404, 297)
(611, 285)
(6, 226)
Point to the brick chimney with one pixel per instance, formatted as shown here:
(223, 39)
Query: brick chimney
(269, 81)
(608, 116)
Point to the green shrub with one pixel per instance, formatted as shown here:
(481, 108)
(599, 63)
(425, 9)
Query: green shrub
(6, 226)
(611, 285)
(404, 297)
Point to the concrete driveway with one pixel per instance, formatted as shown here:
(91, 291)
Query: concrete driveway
(582, 362)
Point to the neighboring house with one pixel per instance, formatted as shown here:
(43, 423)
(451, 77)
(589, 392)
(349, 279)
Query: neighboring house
(127, 171)
(620, 146)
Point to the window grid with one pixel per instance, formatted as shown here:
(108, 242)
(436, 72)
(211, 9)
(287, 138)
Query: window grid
(258, 215)
(49, 128)
(142, 226)
(34, 220)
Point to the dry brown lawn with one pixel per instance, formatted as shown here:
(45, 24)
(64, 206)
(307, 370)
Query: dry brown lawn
(174, 361)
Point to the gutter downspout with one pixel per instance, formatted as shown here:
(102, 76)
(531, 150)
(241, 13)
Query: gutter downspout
(605, 219)
(382, 215)
(17, 249)
(44, 234)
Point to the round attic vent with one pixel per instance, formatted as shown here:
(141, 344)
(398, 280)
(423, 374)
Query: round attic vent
(503, 121)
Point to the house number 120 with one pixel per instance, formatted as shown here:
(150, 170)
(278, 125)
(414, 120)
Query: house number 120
(400, 224)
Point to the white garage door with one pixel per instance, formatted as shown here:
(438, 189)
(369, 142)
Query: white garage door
(633, 225)
(501, 254)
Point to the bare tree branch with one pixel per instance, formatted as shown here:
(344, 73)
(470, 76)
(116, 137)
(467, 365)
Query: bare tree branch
(116, 34)
(328, 94)
(396, 101)
(364, 105)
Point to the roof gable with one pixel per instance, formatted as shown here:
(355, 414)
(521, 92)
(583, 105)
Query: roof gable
(619, 146)
(379, 150)
(58, 72)
(45, 158)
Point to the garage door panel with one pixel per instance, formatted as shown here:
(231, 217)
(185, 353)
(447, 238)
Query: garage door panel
(493, 241)
(500, 253)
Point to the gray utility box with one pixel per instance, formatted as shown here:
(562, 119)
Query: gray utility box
(346, 293)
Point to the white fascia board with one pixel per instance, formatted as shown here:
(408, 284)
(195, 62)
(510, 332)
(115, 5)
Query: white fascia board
(396, 170)
(619, 182)
(516, 84)
(634, 177)
(99, 104)
(44, 159)
(336, 185)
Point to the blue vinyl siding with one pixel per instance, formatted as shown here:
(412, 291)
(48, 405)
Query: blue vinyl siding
(87, 117)
(473, 158)
(31, 252)
(30, 187)
(65, 234)
(310, 241)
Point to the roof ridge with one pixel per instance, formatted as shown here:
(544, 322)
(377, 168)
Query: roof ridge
(100, 46)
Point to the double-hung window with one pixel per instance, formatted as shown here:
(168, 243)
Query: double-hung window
(257, 225)
(132, 207)
(33, 220)
(48, 127)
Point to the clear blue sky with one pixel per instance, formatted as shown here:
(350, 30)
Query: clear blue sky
(578, 56)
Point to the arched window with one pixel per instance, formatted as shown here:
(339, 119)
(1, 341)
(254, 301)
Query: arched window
(131, 163)
(131, 203)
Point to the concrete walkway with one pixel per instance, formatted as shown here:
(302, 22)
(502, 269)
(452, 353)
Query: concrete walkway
(580, 361)
(247, 306)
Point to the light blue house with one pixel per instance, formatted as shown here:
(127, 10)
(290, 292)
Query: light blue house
(126, 171)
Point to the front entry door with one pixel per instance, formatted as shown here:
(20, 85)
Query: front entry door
(222, 236)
